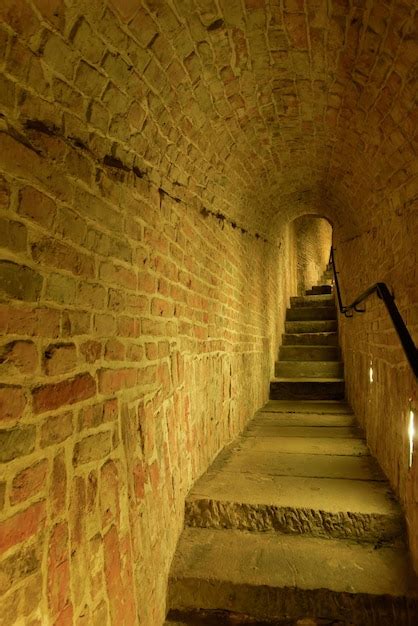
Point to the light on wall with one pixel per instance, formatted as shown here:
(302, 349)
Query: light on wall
(411, 435)
(371, 372)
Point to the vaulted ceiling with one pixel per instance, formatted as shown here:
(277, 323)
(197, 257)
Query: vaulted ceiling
(264, 109)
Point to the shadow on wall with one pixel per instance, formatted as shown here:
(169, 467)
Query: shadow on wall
(312, 236)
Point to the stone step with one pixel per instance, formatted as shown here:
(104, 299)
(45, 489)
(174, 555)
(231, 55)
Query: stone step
(319, 289)
(307, 389)
(309, 369)
(309, 353)
(311, 326)
(297, 473)
(302, 313)
(312, 301)
(310, 339)
(266, 577)
(315, 408)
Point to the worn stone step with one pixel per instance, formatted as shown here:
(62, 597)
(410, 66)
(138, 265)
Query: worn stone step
(305, 313)
(311, 326)
(312, 301)
(296, 480)
(307, 389)
(319, 289)
(309, 353)
(311, 369)
(275, 419)
(310, 339)
(259, 575)
(216, 617)
(316, 408)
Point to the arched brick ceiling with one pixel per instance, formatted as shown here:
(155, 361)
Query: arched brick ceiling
(264, 109)
(287, 99)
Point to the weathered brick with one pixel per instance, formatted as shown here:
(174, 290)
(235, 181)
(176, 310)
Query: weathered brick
(59, 56)
(50, 252)
(109, 494)
(89, 45)
(16, 442)
(12, 235)
(24, 21)
(56, 429)
(37, 206)
(92, 448)
(59, 570)
(60, 289)
(115, 350)
(29, 482)
(21, 355)
(18, 566)
(58, 484)
(70, 391)
(59, 358)
(22, 525)
(12, 402)
(19, 281)
(91, 350)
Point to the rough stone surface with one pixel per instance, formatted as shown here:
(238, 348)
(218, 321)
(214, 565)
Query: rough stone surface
(291, 478)
(239, 571)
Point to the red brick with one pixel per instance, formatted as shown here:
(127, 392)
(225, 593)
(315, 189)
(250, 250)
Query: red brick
(65, 618)
(12, 402)
(115, 380)
(109, 494)
(24, 320)
(70, 391)
(28, 482)
(58, 484)
(22, 526)
(59, 358)
(139, 477)
(59, 569)
(113, 574)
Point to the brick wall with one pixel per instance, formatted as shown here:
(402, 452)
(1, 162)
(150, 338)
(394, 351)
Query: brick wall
(139, 322)
(138, 338)
(151, 154)
(312, 247)
(369, 341)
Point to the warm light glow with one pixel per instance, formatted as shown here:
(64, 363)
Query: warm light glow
(411, 434)
(371, 372)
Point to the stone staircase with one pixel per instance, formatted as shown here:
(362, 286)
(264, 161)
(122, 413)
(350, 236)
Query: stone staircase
(294, 522)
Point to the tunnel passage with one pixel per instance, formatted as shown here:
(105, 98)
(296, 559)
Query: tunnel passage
(313, 239)
(152, 156)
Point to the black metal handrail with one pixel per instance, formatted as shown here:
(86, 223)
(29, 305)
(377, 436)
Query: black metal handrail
(383, 292)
